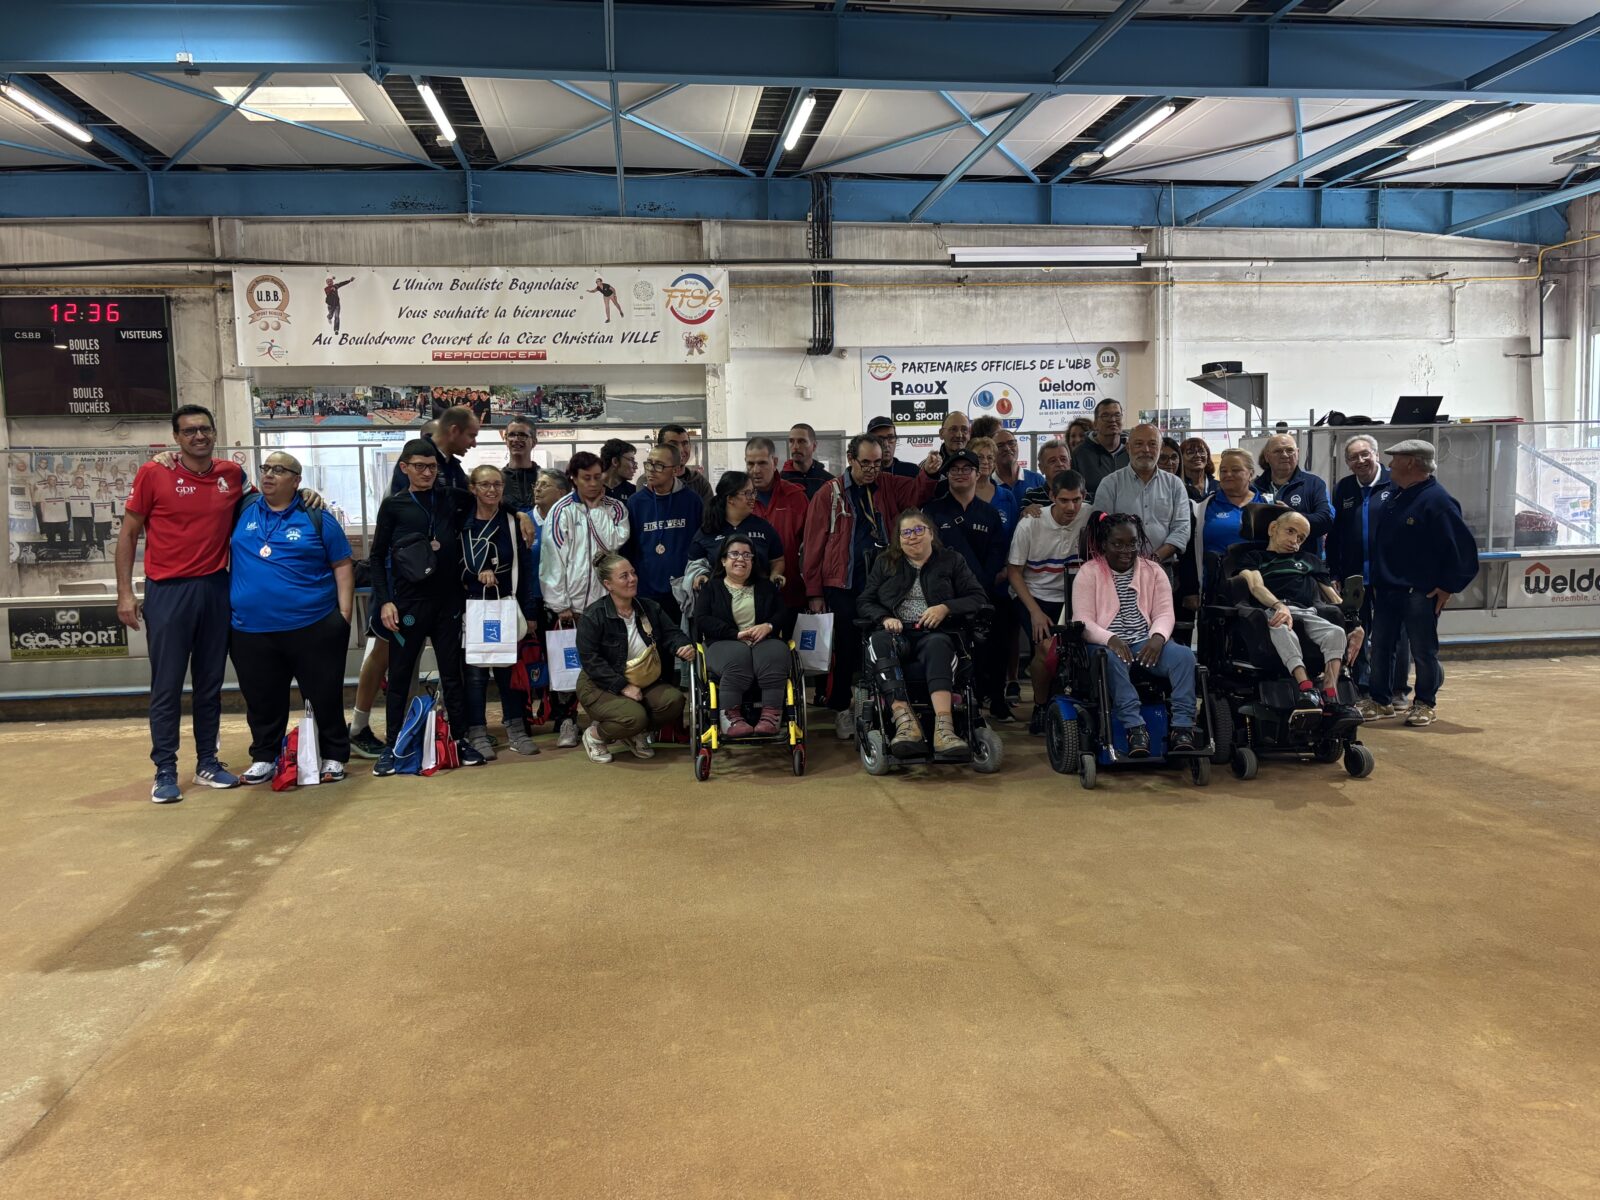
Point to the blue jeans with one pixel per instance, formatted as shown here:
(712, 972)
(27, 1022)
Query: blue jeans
(1176, 666)
(1399, 675)
(478, 696)
(1402, 616)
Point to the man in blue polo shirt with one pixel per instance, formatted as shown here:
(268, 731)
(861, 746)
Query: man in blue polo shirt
(1284, 483)
(1356, 499)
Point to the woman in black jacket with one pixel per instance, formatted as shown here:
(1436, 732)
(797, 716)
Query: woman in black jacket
(622, 637)
(739, 614)
(915, 586)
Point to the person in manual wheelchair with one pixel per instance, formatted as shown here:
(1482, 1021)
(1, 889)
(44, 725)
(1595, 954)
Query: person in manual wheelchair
(919, 601)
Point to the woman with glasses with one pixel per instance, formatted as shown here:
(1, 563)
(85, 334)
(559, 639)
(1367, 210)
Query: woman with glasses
(493, 559)
(740, 616)
(915, 587)
(732, 510)
(292, 589)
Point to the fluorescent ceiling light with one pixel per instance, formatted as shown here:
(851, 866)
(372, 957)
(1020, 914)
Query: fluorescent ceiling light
(797, 123)
(45, 113)
(294, 103)
(1046, 256)
(1133, 133)
(446, 130)
(1429, 149)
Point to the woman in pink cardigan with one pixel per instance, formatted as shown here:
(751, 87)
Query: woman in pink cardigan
(1124, 601)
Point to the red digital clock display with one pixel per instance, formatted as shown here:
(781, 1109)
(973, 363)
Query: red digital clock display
(86, 312)
(90, 357)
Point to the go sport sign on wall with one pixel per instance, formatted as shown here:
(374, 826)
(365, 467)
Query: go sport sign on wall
(1027, 387)
(462, 316)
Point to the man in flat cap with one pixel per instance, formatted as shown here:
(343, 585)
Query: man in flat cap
(1422, 554)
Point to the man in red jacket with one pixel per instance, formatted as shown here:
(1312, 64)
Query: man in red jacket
(849, 521)
(783, 506)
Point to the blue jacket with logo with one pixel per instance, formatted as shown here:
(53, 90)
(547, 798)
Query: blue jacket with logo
(1421, 541)
(1355, 512)
(662, 530)
(1307, 494)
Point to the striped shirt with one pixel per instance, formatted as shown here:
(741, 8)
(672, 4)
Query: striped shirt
(1047, 553)
(1129, 623)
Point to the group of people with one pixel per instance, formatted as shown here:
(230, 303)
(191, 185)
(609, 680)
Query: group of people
(1116, 533)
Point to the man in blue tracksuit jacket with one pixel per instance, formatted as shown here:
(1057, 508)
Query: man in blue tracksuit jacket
(1285, 483)
(663, 518)
(1356, 499)
(1422, 554)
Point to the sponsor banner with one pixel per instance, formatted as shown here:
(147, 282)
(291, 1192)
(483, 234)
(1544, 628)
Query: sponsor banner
(1027, 387)
(69, 631)
(1554, 582)
(495, 316)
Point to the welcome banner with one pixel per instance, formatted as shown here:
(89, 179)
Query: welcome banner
(455, 316)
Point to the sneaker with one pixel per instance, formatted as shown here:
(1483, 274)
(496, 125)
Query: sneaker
(569, 735)
(844, 726)
(468, 754)
(640, 746)
(519, 739)
(165, 789)
(1138, 742)
(768, 722)
(1307, 700)
(594, 743)
(366, 744)
(1371, 710)
(945, 740)
(1182, 739)
(738, 727)
(1014, 693)
(213, 774)
(332, 772)
(479, 737)
(258, 772)
(385, 764)
(1036, 721)
(1420, 714)
(1000, 711)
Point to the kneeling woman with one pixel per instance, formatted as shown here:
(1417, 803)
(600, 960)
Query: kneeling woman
(738, 614)
(1125, 603)
(915, 586)
(622, 682)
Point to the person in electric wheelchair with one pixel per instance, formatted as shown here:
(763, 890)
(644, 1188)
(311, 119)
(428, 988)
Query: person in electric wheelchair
(1250, 651)
(738, 616)
(919, 599)
(1123, 601)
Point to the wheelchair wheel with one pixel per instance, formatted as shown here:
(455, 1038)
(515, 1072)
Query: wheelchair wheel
(1061, 741)
(1088, 769)
(875, 753)
(1221, 731)
(987, 751)
(1245, 763)
(1327, 751)
(702, 764)
(1200, 771)
(798, 760)
(1358, 760)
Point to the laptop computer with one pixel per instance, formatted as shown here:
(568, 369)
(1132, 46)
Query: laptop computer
(1416, 410)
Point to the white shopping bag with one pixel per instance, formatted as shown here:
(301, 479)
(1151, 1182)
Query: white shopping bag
(430, 743)
(308, 755)
(489, 632)
(813, 641)
(561, 652)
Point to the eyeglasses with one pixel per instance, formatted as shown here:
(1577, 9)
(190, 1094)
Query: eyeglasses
(487, 486)
(426, 468)
(914, 531)
(655, 464)
(197, 431)
(747, 494)
(738, 556)
(275, 469)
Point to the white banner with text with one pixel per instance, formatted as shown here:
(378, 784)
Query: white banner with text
(410, 316)
(1027, 387)
(1559, 581)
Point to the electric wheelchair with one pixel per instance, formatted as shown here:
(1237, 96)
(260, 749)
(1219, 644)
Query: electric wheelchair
(703, 713)
(875, 721)
(1255, 713)
(1082, 732)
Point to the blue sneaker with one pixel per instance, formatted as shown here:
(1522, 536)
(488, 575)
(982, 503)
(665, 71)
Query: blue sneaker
(212, 773)
(385, 763)
(166, 790)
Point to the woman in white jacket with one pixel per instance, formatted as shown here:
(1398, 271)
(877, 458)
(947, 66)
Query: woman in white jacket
(581, 525)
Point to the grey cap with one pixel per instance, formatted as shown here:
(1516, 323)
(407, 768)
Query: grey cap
(1421, 450)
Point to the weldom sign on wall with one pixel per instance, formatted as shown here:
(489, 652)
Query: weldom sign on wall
(462, 316)
(1555, 582)
(1027, 387)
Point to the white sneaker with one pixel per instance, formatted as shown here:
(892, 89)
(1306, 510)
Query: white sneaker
(641, 746)
(332, 772)
(594, 742)
(569, 735)
(258, 772)
(845, 726)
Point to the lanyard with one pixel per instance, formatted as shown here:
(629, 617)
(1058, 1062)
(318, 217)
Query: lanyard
(432, 509)
(480, 547)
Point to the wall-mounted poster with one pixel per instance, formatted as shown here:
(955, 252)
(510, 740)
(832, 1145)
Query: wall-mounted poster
(499, 316)
(65, 506)
(1027, 387)
(345, 406)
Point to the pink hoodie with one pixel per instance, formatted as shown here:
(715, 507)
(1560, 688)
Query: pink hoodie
(1094, 598)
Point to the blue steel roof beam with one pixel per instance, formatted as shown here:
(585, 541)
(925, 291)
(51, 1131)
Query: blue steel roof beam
(1128, 120)
(592, 126)
(627, 115)
(210, 126)
(616, 101)
(773, 158)
(71, 158)
(977, 124)
(101, 134)
(1085, 50)
(909, 139)
(1284, 9)
(1548, 200)
(1363, 164)
(1486, 156)
(338, 137)
(1299, 131)
(1553, 44)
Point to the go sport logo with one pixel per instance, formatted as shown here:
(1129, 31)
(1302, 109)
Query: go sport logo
(880, 367)
(998, 399)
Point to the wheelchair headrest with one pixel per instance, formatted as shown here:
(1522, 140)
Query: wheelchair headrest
(1255, 519)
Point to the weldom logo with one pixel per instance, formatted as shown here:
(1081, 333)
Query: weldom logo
(1572, 587)
(880, 367)
(693, 299)
(997, 399)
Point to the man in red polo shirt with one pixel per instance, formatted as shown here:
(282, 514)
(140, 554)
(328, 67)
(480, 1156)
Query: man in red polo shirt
(186, 513)
(783, 506)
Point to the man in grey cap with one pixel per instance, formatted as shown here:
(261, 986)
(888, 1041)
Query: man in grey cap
(1422, 554)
